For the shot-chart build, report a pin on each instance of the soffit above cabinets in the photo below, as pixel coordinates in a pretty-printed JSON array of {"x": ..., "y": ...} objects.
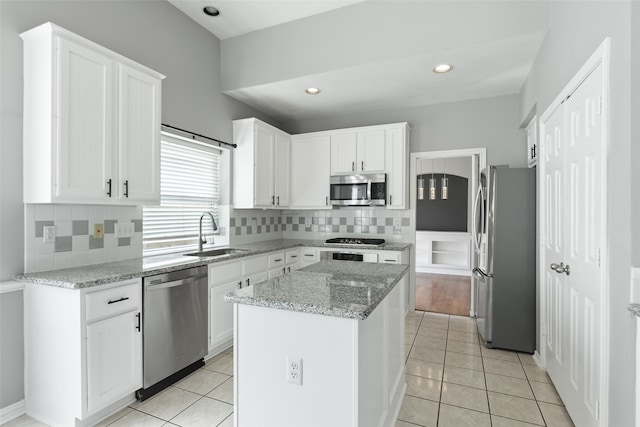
[{"x": 375, "y": 54}]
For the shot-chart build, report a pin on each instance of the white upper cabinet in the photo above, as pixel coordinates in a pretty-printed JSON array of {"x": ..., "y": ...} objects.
[
  {"x": 397, "y": 173},
  {"x": 91, "y": 122},
  {"x": 358, "y": 151},
  {"x": 261, "y": 165},
  {"x": 532, "y": 142},
  {"x": 310, "y": 159},
  {"x": 138, "y": 141}
]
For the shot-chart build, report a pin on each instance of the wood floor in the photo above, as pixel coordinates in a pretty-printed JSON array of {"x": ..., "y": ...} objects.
[{"x": 443, "y": 293}]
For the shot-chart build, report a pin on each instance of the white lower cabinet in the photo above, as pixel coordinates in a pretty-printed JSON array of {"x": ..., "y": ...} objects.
[
  {"x": 114, "y": 368},
  {"x": 83, "y": 357},
  {"x": 224, "y": 278}
]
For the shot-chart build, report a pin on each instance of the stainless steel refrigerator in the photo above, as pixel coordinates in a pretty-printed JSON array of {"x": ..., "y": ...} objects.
[{"x": 504, "y": 234}]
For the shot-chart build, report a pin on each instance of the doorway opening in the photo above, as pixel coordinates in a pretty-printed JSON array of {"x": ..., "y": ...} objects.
[{"x": 442, "y": 280}]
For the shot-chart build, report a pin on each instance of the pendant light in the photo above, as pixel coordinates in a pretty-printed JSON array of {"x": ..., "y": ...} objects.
[
  {"x": 445, "y": 182},
  {"x": 420, "y": 181},
  {"x": 432, "y": 184}
]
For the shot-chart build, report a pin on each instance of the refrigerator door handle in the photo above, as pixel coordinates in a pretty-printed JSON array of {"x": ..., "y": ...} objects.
[
  {"x": 474, "y": 222},
  {"x": 481, "y": 274}
]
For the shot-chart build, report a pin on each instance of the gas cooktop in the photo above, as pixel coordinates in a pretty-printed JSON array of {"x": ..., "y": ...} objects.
[{"x": 355, "y": 241}]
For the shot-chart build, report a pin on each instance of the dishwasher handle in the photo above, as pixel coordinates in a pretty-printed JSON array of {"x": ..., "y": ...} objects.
[{"x": 173, "y": 283}]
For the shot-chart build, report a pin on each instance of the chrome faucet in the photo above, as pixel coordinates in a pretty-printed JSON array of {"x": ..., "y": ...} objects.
[{"x": 202, "y": 240}]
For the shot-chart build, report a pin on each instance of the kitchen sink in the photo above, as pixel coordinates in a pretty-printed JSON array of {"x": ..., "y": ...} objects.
[{"x": 216, "y": 252}]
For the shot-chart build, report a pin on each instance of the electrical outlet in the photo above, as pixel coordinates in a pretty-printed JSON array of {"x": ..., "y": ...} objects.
[
  {"x": 49, "y": 233},
  {"x": 397, "y": 222},
  {"x": 124, "y": 229},
  {"x": 294, "y": 370},
  {"x": 98, "y": 231},
  {"x": 307, "y": 222}
]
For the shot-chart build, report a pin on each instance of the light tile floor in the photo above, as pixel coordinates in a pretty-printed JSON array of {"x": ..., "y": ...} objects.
[
  {"x": 452, "y": 381},
  {"x": 455, "y": 381}
]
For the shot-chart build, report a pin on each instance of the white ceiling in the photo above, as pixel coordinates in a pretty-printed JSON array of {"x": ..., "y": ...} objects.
[
  {"x": 482, "y": 68},
  {"x": 239, "y": 17}
]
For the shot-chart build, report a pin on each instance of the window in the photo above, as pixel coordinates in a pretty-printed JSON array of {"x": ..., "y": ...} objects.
[{"x": 189, "y": 186}]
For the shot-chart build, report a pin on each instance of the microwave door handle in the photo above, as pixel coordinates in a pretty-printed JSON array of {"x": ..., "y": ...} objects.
[{"x": 369, "y": 192}]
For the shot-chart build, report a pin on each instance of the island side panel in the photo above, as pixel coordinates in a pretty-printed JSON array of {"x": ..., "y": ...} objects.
[
  {"x": 395, "y": 327},
  {"x": 381, "y": 351},
  {"x": 263, "y": 338}
]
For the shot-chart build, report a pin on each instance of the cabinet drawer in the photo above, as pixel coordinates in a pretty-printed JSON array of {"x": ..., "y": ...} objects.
[
  {"x": 292, "y": 256},
  {"x": 276, "y": 260},
  {"x": 309, "y": 255},
  {"x": 224, "y": 273},
  {"x": 389, "y": 258},
  {"x": 112, "y": 301}
]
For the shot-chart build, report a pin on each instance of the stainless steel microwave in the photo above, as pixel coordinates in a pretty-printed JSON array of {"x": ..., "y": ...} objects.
[{"x": 358, "y": 190}]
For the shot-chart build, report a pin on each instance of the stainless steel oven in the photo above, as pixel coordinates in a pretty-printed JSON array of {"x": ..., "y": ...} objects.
[{"x": 358, "y": 190}]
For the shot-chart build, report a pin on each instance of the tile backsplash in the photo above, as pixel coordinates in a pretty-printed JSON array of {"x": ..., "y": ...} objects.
[
  {"x": 74, "y": 243},
  {"x": 257, "y": 225}
]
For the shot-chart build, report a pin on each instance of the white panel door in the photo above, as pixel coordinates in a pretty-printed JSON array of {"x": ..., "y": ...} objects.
[
  {"x": 310, "y": 160},
  {"x": 139, "y": 138},
  {"x": 282, "y": 168},
  {"x": 396, "y": 168},
  {"x": 85, "y": 124},
  {"x": 554, "y": 242},
  {"x": 574, "y": 139},
  {"x": 114, "y": 359},
  {"x": 343, "y": 153},
  {"x": 371, "y": 151},
  {"x": 221, "y": 313},
  {"x": 263, "y": 164}
]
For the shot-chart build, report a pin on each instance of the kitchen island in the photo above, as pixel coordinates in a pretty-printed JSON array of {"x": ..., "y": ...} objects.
[{"x": 322, "y": 346}]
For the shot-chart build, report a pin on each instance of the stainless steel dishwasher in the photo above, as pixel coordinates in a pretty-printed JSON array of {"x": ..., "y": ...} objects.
[{"x": 174, "y": 327}]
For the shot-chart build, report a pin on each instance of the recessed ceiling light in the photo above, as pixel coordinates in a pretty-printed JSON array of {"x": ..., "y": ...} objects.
[
  {"x": 312, "y": 90},
  {"x": 211, "y": 11},
  {"x": 442, "y": 68}
]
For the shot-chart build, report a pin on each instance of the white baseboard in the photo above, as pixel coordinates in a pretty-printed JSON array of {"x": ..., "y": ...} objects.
[
  {"x": 12, "y": 412},
  {"x": 538, "y": 359}
]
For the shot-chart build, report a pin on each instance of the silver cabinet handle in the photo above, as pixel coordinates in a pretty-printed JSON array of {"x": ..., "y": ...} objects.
[
  {"x": 326, "y": 201},
  {"x": 561, "y": 268},
  {"x": 362, "y": 166},
  {"x": 109, "y": 187},
  {"x": 126, "y": 188},
  {"x": 248, "y": 284},
  {"x": 353, "y": 166},
  {"x": 273, "y": 200},
  {"x": 278, "y": 200},
  {"x": 240, "y": 284}
]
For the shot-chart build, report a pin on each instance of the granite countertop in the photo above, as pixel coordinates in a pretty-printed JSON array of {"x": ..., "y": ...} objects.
[
  {"x": 100, "y": 274},
  {"x": 331, "y": 288}
]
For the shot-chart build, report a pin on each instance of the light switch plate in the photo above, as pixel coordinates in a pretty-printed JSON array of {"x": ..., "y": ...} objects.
[{"x": 124, "y": 229}]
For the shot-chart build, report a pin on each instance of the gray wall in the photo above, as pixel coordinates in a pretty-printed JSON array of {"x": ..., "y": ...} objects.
[
  {"x": 491, "y": 122},
  {"x": 576, "y": 29},
  {"x": 153, "y": 33},
  {"x": 635, "y": 131}
]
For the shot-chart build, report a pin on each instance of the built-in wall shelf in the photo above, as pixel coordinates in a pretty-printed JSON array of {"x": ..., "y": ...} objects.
[{"x": 443, "y": 252}]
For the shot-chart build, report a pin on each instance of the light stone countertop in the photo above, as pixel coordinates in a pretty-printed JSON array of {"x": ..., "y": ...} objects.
[
  {"x": 331, "y": 288},
  {"x": 100, "y": 274}
]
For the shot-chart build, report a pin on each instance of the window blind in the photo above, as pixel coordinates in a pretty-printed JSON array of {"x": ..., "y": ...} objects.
[{"x": 189, "y": 186}]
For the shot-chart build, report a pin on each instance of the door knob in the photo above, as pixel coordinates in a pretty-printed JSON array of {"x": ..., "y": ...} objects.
[{"x": 560, "y": 268}]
